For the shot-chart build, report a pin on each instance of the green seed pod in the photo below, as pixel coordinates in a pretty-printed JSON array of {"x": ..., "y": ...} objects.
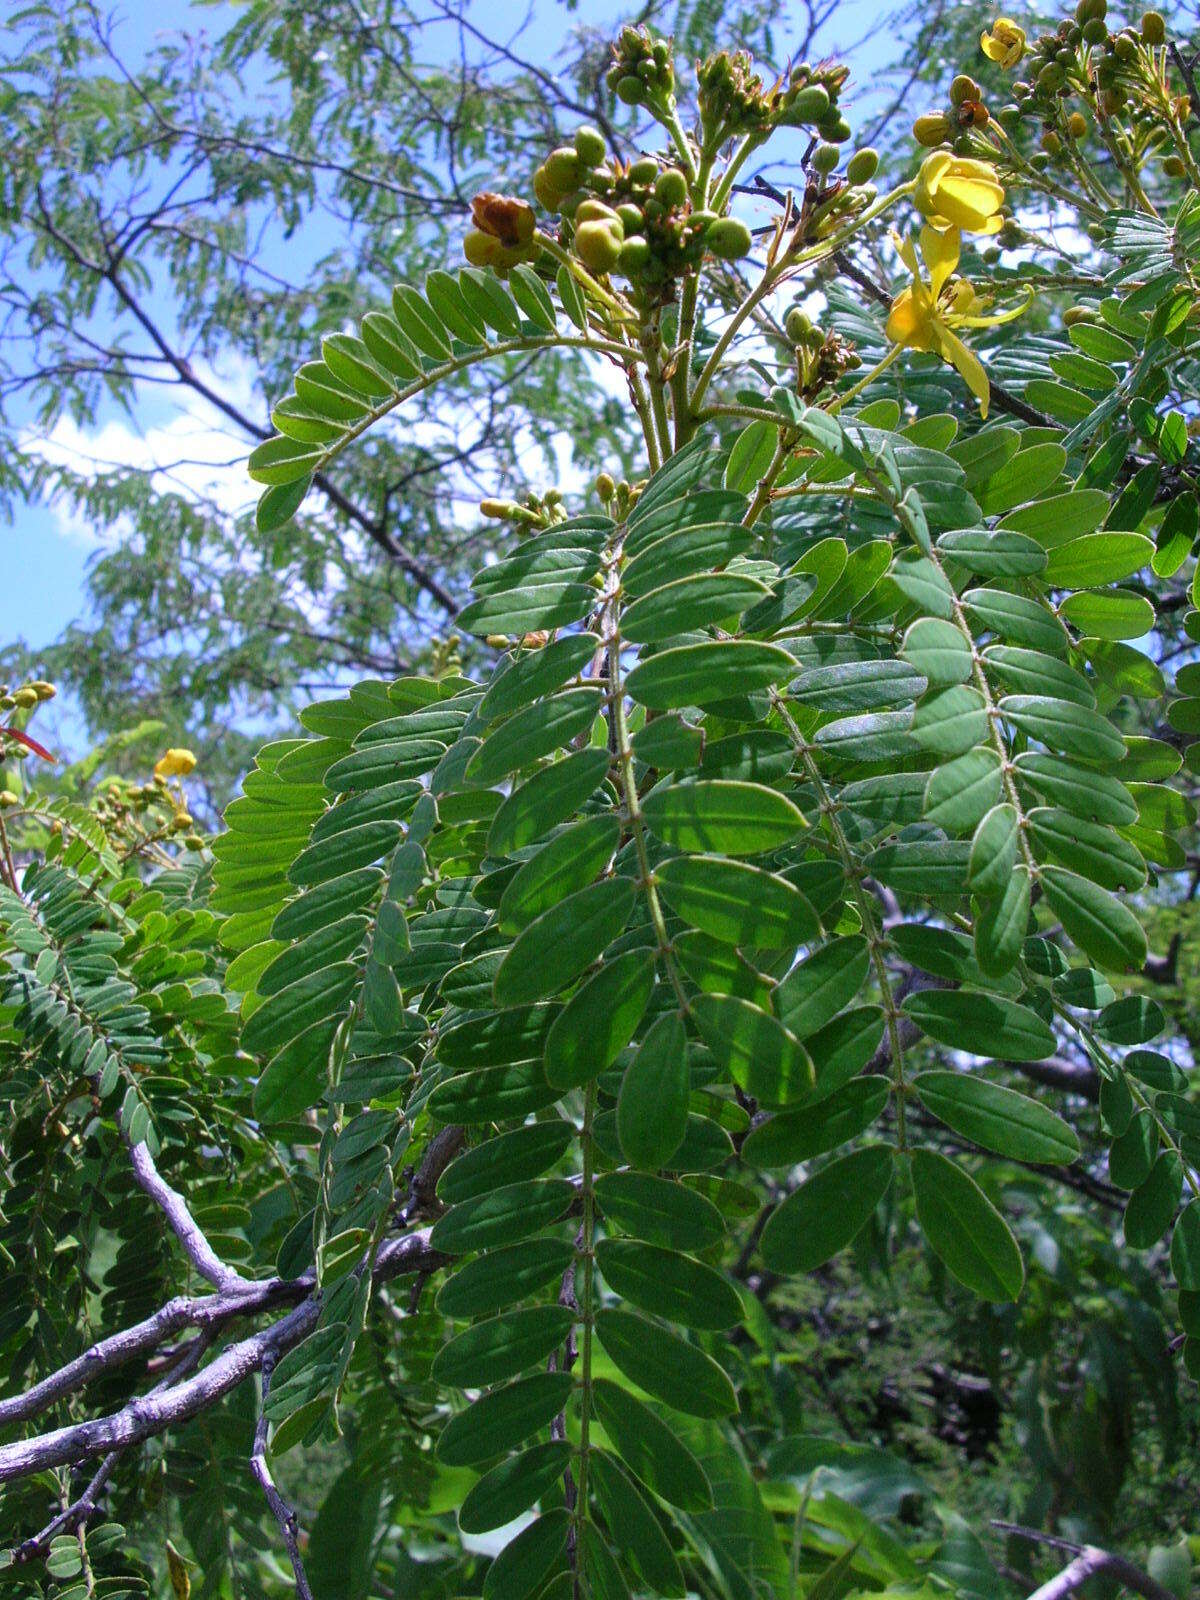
[
  {"x": 598, "y": 246},
  {"x": 630, "y": 90},
  {"x": 671, "y": 189},
  {"x": 729, "y": 239},
  {"x": 635, "y": 253},
  {"x": 632, "y": 218},
  {"x": 810, "y": 104},
  {"x": 825, "y": 158},
  {"x": 643, "y": 171},
  {"x": 1154, "y": 29},
  {"x": 862, "y": 165},
  {"x": 590, "y": 146}
]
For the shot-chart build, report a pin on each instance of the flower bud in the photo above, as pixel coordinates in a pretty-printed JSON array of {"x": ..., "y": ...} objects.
[
  {"x": 1173, "y": 167},
  {"x": 964, "y": 88},
  {"x": 1154, "y": 29},
  {"x": 834, "y": 127},
  {"x": 26, "y": 698},
  {"x": 43, "y": 690},
  {"x": 1051, "y": 143},
  {"x": 632, "y": 218},
  {"x": 797, "y": 325},
  {"x": 825, "y": 158},
  {"x": 931, "y": 129},
  {"x": 590, "y": 146},
  {"x": 729, "y": 239},
  {"x": 862, "y": 166},
  {"x": 1095, "y": 30},
  {"x": 1077, "y": 125},
  {"x": 635, "y": 255},
  {"x": 643, "y": 171},
  {"x": 671, "y": 189},
  {"x": 598, "y": 245},
  {"x": 809, "y": 104},
  {"x": 630, "y": 90},
  {"x": 605, "y": 487},
  {"x": 8, "y": 799}
]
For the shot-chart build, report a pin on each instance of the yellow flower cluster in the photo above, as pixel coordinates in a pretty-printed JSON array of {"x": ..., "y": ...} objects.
[
  {"x": 955, "y": 194},
  {"x": 177, "y": 763}
]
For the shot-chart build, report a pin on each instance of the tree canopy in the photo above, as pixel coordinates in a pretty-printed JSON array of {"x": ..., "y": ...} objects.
[{"x": 638, "y": 1037}]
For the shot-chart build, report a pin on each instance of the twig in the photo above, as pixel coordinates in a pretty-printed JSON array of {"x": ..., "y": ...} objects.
[
  {"x": 183, "y": 1225},
  {"x": 285, "y": 1516},
  {"x": 1090, "y": 1563}
]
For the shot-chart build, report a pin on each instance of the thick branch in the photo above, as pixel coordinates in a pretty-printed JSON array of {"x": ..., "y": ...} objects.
[
  {"x": 1091, "y": 1563},
  {"x": 149, "y": 1415}
]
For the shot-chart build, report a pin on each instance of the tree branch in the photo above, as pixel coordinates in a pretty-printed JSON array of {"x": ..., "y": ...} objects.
[
  {"x": 183, "y": 1225},
  {"x": 283, "y": 1513}
]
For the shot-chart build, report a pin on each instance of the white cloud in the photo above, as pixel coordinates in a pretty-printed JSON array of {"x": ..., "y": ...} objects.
[{"x": 191, "y": 448}]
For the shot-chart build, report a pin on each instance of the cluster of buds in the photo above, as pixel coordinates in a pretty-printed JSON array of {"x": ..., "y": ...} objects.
[
  {"x": 617, "y": 496},
  {"x": 503, "y": 234},
  {"x": 634, "y": 218},
  {"x": 734, "y": 102},
  {"x": 967, "y": 112},
  {"x": 642, "y": 71},
  {"x": 535, "y": 512},
  {"x": 26, "y": 695},
  {"x": 830, "y": 200},
  {"x": 822, "y": 358}
]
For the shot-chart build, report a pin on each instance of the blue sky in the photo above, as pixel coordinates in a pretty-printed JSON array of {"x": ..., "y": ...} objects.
[{"x": 49, "y": 548}]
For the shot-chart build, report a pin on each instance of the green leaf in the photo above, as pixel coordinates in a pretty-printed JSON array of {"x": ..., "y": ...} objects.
[
  {"x": 494, "y": 1281},
  {"x": 523, "y": 1565},
  {"x": 642, "y": 1539},
  {"x": 509, "y": 1158},
  {"x": 736, "y": 903},
  {"x": 599, "y": 1020},
  {"x": 827, "y": 1211},
  {"x": 665, "y": 1365},
  {"x": 651, "y": 1450},
  {"x": 698, "y": 674},
  {"x": 501, "y": 1347},
  {"x": 983, "y": 1024},
  {"x": 1152, "y": 1204},
  {"x": 817, "y": 988},
  {"x": 652, "y": 1109},
  {"x": 964, "y": 1229},
  {"x": 669, "y": 1284},
  {"x": 939, "y": 651},
  {"x": 534, "y": 732},
  {"x": 692, "y": 602},
  {"x": 809, "y": 1131},
  {"x": 1103, "y": 928},
  {"x": 510, "y": 1488},
  {"x": 659, "y": 1209},
  {"x": 722, "y": 817},
  {"x": 999, "y": 1119},
  {"x": 1000, "y": 926},
  {"x": 1097, "y": 559},
  {"x": 501, "y": 1216},
  {"x": 567, "y": 862},
  {"x": 763, "y": 1058},
  {"x": 550, "y": 797},
  {"x": 960, "y": 793},
  {"x": 503, "y": 1419},
  {"x": 993, "y": 553},
  {"x": 537, "y": 673},
  {"x": 561, "y": 943},
  {"x": 1185, "y": 1248},
  {"x": 993, "y": 851},
  {"x": 310, "y": 1000},
  {"x": 1070, "y": 729},
  {"x": 516, "y": 1033}
]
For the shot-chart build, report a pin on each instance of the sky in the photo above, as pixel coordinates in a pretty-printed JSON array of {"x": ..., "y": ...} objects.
[{"x": 50, "y": 546}]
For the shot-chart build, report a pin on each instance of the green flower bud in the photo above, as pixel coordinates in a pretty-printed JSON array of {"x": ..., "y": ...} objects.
[
  {"x": 964, "y": 88},
  {"x": 593, "y": 210},
  {"x": 729, "y": 239},
  {"x": 604, "y": 486},
  {"x": 632, "y": 218},
  {"x": 635, "y": 253},
  {"x": 630, "y": 90},
  {"x": 564, "y": 168},
  {"x": 1125, "y": 47},
  {"x": 643, "y": 171},
  {"x": 26, "y": 698},
  {"x": 671, "y": 188},
  {"x": 598, "y": 246},
  {"x": 590, "y": 146},
  {"x": 1154, "y": 29},
  {"x": 862, "y": 166},
  {"x": 825, "y": 158},
  {"x": 809, "y": 104},
  {"x": 43, "y": 690},
  {"x": 1095, "y": 30},
  {"x": 797, "y": 325},
  {"x": 834, "y": 128},
  {"x": 931, "y": 129}
]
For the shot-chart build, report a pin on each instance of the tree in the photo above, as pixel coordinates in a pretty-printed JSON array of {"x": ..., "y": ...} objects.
[{"x": 529, "y": 1042}]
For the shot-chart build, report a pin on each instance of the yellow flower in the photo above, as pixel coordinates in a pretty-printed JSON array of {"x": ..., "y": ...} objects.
[
  {"x": 175, "y": 764},
  {"x": 958, "y": 192},
  {"x": 924, "y": 316},
  {"x": 1005, "y": 44}
]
